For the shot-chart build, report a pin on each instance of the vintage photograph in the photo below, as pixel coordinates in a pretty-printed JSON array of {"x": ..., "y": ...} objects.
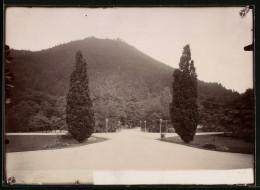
[{"x": 129, "y": 96}]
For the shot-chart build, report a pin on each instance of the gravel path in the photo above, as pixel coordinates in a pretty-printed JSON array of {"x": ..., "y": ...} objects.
[{"x": 125, "y": 150}]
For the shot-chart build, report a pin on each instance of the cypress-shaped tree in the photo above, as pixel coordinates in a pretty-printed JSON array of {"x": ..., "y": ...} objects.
[
  {"x": 79, "y": 111},
  {"x": 184, "y": 106}
]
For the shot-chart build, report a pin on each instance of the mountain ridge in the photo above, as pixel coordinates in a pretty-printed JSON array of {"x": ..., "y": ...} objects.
[{"x": 80, "y": 44}]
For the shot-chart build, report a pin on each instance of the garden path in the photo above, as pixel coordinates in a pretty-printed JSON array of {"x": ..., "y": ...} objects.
[{"x": 126, "y": 150}]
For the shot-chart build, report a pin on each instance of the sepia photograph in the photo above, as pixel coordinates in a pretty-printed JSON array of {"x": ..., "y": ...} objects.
[{"x": 129, "y": 96}]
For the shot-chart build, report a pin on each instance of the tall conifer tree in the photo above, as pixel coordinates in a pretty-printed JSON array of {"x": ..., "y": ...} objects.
[
  {"x": 184, "y": 107},
  {"x": 79, "y": 111}
]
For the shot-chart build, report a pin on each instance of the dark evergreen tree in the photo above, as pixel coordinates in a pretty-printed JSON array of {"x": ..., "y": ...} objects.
[
  {"x": 184, "y": 107},
  {"x": 79, "y": 111}
]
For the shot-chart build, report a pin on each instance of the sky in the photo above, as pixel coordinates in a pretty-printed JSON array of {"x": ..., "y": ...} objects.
[{"x": 217, "y": 36}]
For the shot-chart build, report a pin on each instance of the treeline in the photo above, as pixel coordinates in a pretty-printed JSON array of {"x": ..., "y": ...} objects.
[
  {"x": 236, "y": 117},
  {"x": 35, "y": 111},
  {"x": 39, "y": 111}
]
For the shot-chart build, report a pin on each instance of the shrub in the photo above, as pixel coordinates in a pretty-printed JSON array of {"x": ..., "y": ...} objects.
[
  {"x": 100, "y": 126},
  {"x": 39, "y": 122},
  {"x": 209, "y": 146},
  {"x": 55, "y": 145},
  {"x": 222, "y": 148}
]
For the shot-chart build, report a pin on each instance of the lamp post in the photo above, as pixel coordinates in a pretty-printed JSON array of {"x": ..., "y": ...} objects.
[
  {"x": 106, "y": 124},
  {"x": 160, "y": 127},
  {"x": 144, "y": 126}
]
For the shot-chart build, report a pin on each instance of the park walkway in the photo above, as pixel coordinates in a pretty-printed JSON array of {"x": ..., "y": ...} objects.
[{"x": 126, "y": 150}]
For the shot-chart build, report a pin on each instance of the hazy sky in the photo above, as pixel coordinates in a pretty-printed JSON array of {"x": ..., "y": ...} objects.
[{"x": 216, "y": 36}]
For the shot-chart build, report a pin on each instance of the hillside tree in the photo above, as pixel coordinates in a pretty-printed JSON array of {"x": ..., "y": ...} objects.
[
  {"x": 79, "y": 111},
  {"x": 184, "y": 106}
]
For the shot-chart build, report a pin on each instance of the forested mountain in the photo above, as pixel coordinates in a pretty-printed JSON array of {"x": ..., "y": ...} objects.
[{"x": 125, "y": 84}]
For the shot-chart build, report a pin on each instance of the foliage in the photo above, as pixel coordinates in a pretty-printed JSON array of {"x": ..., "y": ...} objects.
[
  {"x": 79, "y": 111},
  {"x": 31, "y": 108},
  {"x": 236, "y": 116},
  {"x": 113, "y": 125},
  {"x": 209, "y": 146},
  {"x": 153, "y": 126},
  {"x": 210, "y": 114},
  {"x": 222, "y": 148},
  {"x": 18, "y": 116},
  {"x": 240, "y": 116},
  {"x": 55, "y": 146},
  {"x": 39, "y": 123},
  {"x": 184, "y": 107},
  {"x": 9, "y": 76},
  {"x": 58, "y": 123},
  {"x": 216, "y": 90},
  {"x": 215, "y": 147}
]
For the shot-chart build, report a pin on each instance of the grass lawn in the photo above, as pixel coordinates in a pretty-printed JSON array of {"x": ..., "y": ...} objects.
[
  {"x": 234, "y": 144},
  {"x": 21, "y": 143}
]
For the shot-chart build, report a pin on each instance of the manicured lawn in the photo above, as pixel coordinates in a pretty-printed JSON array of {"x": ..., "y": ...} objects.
[
  {"x": 21, "y": 143},
  {"x": 234, "y": 144}
]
